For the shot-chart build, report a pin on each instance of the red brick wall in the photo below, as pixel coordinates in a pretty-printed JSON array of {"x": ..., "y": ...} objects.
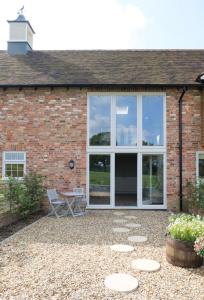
[
  {"x": 191, "y": 115},
  {"x": 50, "y": 125}
]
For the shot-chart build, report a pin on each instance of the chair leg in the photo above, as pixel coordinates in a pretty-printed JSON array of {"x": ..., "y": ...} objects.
[
  {"x": 70, "y": 209},
  {"x": 55, "y": 210}
]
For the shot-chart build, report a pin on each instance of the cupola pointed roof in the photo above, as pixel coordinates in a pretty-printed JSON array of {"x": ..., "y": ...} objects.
[{"x": 20, "y": 18}]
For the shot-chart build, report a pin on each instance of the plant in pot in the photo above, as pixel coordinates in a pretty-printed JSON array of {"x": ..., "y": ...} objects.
[{"x": 182, "y": 233}]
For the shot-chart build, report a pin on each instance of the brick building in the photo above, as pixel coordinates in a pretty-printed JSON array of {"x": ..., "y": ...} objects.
[{"x": 130, "y": 121}]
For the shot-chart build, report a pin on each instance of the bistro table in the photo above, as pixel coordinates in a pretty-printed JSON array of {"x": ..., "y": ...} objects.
[{"x": 70, "y": 198}]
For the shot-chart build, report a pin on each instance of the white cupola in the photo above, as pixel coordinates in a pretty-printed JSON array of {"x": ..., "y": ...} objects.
[{"x": 20, "y": 35}]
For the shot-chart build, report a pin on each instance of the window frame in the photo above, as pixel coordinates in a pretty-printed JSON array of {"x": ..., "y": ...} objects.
[
  {"x": 197, "y": 165},
  {"x": 139, "y": 149},
  {"x": 113, "y": 146},
  {"x": 16, "y": 162}
]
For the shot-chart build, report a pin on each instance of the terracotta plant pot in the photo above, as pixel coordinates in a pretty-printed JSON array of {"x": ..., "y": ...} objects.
[{"x": 180, "y": 253}]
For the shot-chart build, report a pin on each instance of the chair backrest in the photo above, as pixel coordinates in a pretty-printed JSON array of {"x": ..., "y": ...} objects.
[
  {"x": 52, "y": 195},
  {"x": 78, "y": 190}
]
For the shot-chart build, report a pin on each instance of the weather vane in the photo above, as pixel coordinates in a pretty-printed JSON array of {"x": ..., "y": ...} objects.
[{"x": 21, "y": 10}]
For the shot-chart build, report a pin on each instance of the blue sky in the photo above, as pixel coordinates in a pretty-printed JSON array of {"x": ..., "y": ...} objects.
[
  {"x": 109, "y": 24},
  {"x": 172, "y": 23}
]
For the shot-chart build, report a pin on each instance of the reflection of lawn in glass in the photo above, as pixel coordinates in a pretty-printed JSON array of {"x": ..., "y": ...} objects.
[
  {"x": 156, "y": 181},
  {"x": 101, "y": 178}
]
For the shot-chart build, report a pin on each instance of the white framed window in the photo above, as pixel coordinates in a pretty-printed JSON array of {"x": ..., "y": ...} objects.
[
  {"x": 126, "y": 150},
  {"x": 200, "y": 166},
  {"x": 126, "y": 120},
  {"x": 14, "y": 164}
]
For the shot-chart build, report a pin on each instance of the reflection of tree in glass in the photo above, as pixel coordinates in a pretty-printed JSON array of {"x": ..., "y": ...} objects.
[
  {"x": 100, "y": 139},
  {"x": 144, "y": 143}
]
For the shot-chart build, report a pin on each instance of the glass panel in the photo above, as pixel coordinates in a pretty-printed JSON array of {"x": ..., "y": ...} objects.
[
  {"x": 126, "y": 179},
  {"x": 14, "y": 170},
  {"x": 20, "y": 170},
  {"x": 99, "y": 120},
  {"x": 201, "y": 166},
  {"x": 14, "y": 167},
  {"x": 8, "y": 170},
  {"x": 152, "y": 179},
  {"x": 99, "y": 179},
  {"x": 20, "y": 174},
  {"x": 126, "y": 121},
  {"x": 152, "y": 121},
  {"x": 14, "y": 173},
  {"x": 14, "y": 156}
]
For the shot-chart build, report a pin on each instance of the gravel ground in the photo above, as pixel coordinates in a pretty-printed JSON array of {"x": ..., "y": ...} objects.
[{"x": 69, "y": 258}]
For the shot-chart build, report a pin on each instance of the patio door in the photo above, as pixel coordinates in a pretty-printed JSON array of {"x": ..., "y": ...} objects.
[{"x": 126, "y": 179}]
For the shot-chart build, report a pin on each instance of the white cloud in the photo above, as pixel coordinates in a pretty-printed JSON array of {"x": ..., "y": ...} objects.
[{"x": 78, "y": 24}]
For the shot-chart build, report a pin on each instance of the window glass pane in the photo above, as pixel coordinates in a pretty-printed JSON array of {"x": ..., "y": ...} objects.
[
  {"x": 99, "y": 179},
  {"x": 20, "y": 173},
  {"x": 99, "y": 120},
  {"x": 20, "y": 167},
  {"x": 201, "y": 166},
  {"x": 15, "y": 156},
  {"x": 14, "y": 167},
  {"x": 126, "y": 121},
  {"x": 152, "y": 121},
  {"x": 14, "y": 173},
  {"x": 152, "y": 179},
  {"x": 8, "y": 166},
  {"x": 20, "y": 170},
  {"x": 8, "y": 170}
]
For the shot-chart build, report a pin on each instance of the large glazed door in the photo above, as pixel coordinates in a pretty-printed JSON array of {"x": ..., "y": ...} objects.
[{"x": 125, "y": 179}]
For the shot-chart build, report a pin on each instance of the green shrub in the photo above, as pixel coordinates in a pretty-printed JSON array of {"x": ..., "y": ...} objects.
[
  {"x": 13, "y": 191},
  {"x": 24, "y": 195},
  {"x": 34, "y": 189},
  {"x": 194, "y": 197},
  {"x": 186, "y": 227},
  {"x": 181, "y": 217}
]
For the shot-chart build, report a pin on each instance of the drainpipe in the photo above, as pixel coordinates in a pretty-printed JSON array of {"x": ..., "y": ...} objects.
[{"x": 180, "y": 102}]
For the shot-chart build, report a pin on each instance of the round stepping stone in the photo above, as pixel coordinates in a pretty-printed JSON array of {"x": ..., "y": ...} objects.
[
  {"x": 121, "y": 282},
  {"x": 147, "y": 265},
  {"x": 120, "y": 229},
  {"x": 119, "y": 221},
  {"x": 122, "y": 248},
  {"x": 137, "y": 238},
  {"x": 133, "y": 225},
  {"x": 118, "y": 213},
  {"x": 131, "y": 217}
]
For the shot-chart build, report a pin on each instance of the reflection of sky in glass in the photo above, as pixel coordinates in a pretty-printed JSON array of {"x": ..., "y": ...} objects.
[
  {"x": 126, "y": 121},
  {"x": 99, "y": 116},
  {"x": 152, "y": 120}
]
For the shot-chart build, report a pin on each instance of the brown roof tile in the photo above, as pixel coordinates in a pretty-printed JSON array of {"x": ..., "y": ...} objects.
[{"x": 102, "y": 67}]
